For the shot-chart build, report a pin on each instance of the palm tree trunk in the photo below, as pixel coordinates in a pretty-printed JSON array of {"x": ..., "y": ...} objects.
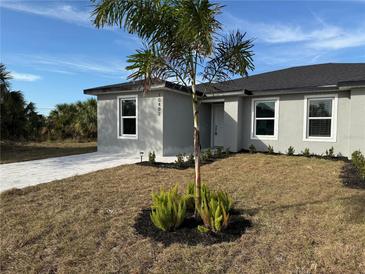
[{"x": 196, "y": 150}]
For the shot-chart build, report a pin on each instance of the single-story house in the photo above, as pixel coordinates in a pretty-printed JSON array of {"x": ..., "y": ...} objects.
[{"x": 315, "y": 106}]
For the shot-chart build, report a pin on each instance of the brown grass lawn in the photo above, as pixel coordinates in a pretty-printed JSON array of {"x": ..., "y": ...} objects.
[
  {"x": 304, "y": 220},
  {"x": 16, "y": 151}
]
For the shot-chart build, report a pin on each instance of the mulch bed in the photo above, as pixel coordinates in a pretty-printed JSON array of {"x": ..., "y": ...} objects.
[{"x": 187, "y": 233}]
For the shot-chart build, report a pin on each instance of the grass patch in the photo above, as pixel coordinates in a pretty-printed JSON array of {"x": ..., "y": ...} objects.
[
  {"x": 17, "y": 151},
  {"x": 302, "y": 219}
]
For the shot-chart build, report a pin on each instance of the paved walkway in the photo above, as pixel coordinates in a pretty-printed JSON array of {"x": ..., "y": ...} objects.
[{"x": 22, "y": 174}]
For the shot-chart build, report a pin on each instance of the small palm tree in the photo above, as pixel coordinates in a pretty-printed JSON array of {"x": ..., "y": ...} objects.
[{"x": 182, "y": 39}]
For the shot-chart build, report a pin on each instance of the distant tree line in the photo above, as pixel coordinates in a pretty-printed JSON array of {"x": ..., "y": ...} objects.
[{"x": 20, "y": 120}]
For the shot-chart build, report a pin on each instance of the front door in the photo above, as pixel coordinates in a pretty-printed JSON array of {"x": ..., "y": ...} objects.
[{"x": 217, "y": 129}]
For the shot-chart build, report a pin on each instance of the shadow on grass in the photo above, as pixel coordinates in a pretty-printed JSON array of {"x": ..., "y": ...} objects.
[
  {"x": 15, "y": 152},
  {"x": 350, "y": 177},
  {"x": 188, "y": 233}
]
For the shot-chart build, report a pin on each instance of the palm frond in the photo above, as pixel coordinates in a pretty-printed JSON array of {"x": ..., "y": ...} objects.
[{"x": 232, "y": 55}]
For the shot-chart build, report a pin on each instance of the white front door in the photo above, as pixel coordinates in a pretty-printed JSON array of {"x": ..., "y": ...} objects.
[{"x": 217, "y": 125}]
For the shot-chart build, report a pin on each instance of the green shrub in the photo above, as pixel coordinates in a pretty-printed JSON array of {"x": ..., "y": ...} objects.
[
  {"x": 180, "y": 160},
  {"x": 227, "y": 152},
  {"x": 218, "y": 152},
  {"x": 306, "y": 152},
  {"x": 151, "y": 157},
  {"x": 190, "y": 159},
  {"x": 206, "y": 155},
  {"x": 227, "y": 201},
  {"x": 330, "y": 152},
  {"x": 209, "y": 154},
  {"x": 252, "y": 149},
  {"x": 214, "y": 210},
  {"x": 358, "y": 160},
  {"x": 290, "y": 151},
  {"x": 168, "y": 209},
  {"x": 189, "y": 196},
  {"x": 270, "y": 149}
]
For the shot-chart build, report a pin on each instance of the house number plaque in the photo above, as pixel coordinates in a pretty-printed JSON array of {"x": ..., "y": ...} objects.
[{"x": 159, "y": 104}]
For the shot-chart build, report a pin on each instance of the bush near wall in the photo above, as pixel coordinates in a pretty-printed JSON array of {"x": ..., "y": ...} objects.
[{"x": 358, "y": 160}]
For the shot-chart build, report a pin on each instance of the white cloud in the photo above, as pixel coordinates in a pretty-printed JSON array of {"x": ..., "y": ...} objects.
[
  {"x": 321, "y": 36},
  {"x": 72, "y": 64},
  {"x": 62, "y": 12},
  {"x": 79, "y": 64},
  {"x": 344, "y": 40},
  {"x": 25, "y": 77}
]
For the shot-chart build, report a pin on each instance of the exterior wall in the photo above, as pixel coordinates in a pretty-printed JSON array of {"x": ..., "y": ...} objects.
[
  {"x": 357, "y": 120},
  {"x": 178, "y": 124},
  {"x": 290, "y": 126},
  {"x": 149, "y": 125},
  {"x": 232, "y": 124}
]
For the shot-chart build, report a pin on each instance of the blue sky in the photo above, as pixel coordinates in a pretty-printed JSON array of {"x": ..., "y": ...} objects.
[{"x": 54, "y": 52}]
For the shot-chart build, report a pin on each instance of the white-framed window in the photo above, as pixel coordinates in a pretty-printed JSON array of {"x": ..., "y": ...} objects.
[
  {"x": 128, "y": 117},
  {"x": 265, "y": 118},
  {"x": 320, "y": 118}
]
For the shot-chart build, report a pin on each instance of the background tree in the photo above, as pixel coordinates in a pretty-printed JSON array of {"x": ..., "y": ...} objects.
[
  {"x": 73, "y": 121},
  {"x": 20, "y": 120},
  {"x": 12, "y": 115},
  {"x": 5, "y": 78},
  {"x": 182, "y": 39}
]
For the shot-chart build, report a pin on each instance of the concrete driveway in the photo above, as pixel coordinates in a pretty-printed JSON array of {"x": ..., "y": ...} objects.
[{"x": 23, "y": 174}]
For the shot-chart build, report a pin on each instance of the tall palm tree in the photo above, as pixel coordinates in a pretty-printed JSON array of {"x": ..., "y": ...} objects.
[
  {"x": 5, "y": 76},
  {"x": 182, "y": 39}
]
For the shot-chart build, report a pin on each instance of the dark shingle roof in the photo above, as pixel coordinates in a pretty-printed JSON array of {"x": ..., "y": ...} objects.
[
  {"x": 305, "y": 77},
  {"x": 136, "y": 85},
  {"x": 311, "y": 76}
]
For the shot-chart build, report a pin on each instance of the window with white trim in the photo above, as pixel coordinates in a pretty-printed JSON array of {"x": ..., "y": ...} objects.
[
  {"x": 320, "y": 120},
  {"x": 265, "y": 114},
  {"x": 128, "y": 122}
]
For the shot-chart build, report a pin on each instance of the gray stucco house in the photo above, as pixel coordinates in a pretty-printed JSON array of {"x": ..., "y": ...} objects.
[{"x": 316, "y": 107}]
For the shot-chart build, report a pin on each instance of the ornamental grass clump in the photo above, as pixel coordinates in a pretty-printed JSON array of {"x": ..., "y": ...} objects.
[
  {"x": 291, "y": 151},
  {"x": 306, "y": 152},
  {"x": 168, "y": 209},
  {"x": 189, "y": 196},
  {"x": 214, "y": 211}
]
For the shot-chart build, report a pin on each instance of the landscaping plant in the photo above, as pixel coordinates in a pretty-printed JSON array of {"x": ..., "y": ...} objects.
[
  {"x": 214, "y": 211},
  {"x": 190, "y": 159},
  {"x": 189, "y": 196},
  {"x": 218, "y": 152},
  {"x": 270, "y": 149},
  {"x": 358, "y": 160},
  {"x": 168, "y": 209},
  {"x": 151, "y": 157},
  {"x": 330, "y": 152},
  {"x": 182, "y": 39},
  {"x": 306, "y": 152},
  {"x": 252, "y": 149},
  {"x": 208, "y": 153},
  {"x": 180, "y": 160},
  {"x": 205, "y": 156},
  {"x": 291, "y": 151}
]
